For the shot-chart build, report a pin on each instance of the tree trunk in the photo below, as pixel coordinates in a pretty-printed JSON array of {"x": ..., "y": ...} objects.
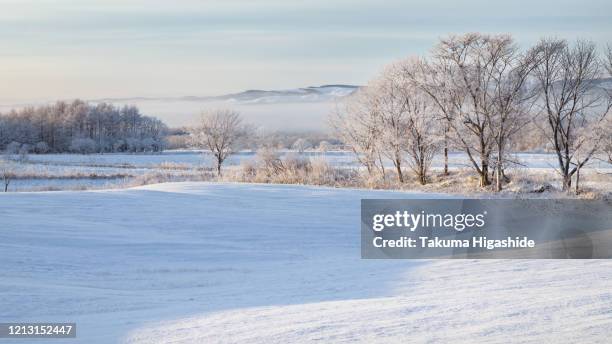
[
  {"x": 446, "y": 130},
  {"x": 498, "y": 174},
  {"x": 382, "y": 167},
  {"x": 505, "y": 177},
  {"x": 567, "y": 177},
  {"x": 445, "y": 159},
  {"x": 422, "y": 178},
  {"x": 484, "y": 175},
  {"x": 567, "y": 182},
  {"x": 398, "y": 167},
  {"x": 219, "y": 162},
  {"x": 577, "y": 180}
]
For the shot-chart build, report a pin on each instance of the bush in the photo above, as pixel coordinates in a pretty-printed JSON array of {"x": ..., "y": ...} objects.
[
  {"x": 248, "y": 170},
  {"x": 268, "y": 167},
  {"x": 268, "y": 163}
]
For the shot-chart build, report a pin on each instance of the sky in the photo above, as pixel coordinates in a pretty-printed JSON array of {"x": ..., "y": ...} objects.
[{"x": 66, "y": 49}]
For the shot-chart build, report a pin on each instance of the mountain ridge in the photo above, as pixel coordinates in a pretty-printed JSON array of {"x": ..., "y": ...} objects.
[
  {"x": 309, "y": 94},
  {"x": 253, "y": 96}
]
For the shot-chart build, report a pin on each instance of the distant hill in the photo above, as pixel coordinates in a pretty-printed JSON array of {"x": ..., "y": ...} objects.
[{"x": 311, "y": 94}]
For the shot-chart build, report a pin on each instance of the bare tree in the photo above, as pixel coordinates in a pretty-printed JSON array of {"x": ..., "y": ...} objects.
[
  {"x": 409, "y": 118},
  {"x": 595, "y": 135},
  {"x": 461, "y": 80},
  {"x": 512, "y": 99},
  {"x": 220, "y": 131},
  {"x": 423, "y": 141},
  {"x": 463, "y": 85},
  {"x": 568, "y": 103},
  {"x": 431, "y": 78},
  {"x": 356, "y": 123},
  {"x": 394, "y": 118},
  {"x": 391, "y": 104},
  {"x": 7, "y": 172},
  {"x": 606, "y": 143},
  {"x": 445, "y": 133}
]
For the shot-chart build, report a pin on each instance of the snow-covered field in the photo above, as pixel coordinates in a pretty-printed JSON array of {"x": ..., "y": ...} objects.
[
  {"x": 205, "y": 263},
  {"x": 189, "y": 158},
  {"x": 51, "y": 172}
]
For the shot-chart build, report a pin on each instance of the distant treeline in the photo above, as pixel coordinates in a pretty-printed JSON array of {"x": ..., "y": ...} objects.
[{"x": 80, "y": 127}]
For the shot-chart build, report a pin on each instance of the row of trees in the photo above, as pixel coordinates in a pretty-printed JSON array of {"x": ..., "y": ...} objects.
[
  {"x": 475, "y": 93},
  {"x": 80, "y": 127}
]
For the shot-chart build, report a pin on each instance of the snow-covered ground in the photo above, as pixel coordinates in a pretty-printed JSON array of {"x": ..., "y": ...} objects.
[
  {"x": 95, "y": 171},
  {"x": 500, "y": 301},
  {"x": 202, "y": 263},
  {"x": 335, "y": 158}
]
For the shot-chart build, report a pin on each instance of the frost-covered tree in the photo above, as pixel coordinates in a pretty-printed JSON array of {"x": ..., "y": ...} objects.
[
  {"x": 423, "y": 134},
  {"x": 394, "y": 118},
  {"x": 431, "y": 78},
  {"x": 571, "y": 110},
  {"x": 392, "y": 102},
  {"x": 220, "y": 132},
  {"x": 408, "y": 119},
  {"x": 596, "y": 135},
  {"x": 512, "y": 99},
  {"x": 7, "y": 173},
  {"x": 59, "y": 124},
  {"x": 466, "y": 83},
  {"x": 356, "y": 123},
  {"x": 608, "y": 61},
  {"x": 606, "y": 144}
]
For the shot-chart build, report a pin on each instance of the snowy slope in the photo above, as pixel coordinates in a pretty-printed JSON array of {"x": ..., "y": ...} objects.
[
  {"x": 112, "y": 260},
  {"x": 198, "y": 262},
  {"x": 500, "y": 301}
]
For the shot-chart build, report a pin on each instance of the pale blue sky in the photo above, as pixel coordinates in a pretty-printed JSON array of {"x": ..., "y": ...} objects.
[{"x": 107, "y": 48}]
